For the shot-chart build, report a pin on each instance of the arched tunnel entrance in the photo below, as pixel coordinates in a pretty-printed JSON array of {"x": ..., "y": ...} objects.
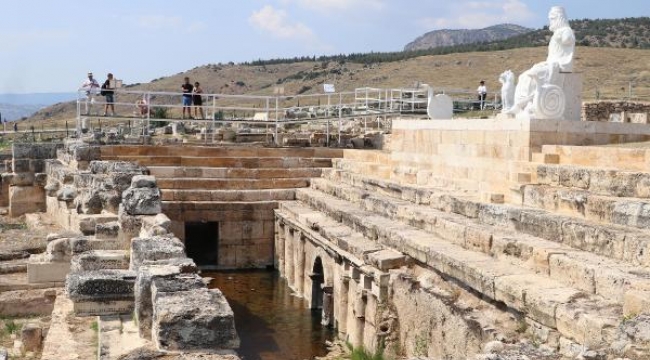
[{"x": 321, "y": 295}]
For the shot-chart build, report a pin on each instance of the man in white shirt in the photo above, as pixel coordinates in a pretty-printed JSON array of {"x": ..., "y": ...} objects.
[
  {"x": 482, "y": 94},
  {"x": 91, "y": 87}
]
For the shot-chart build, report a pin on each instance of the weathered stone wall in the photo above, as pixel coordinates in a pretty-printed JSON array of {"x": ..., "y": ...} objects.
[
  {"x": 616, "y": 111},
  {"x": 486, "y": 156},
  {"x": 26, "y": 181}
]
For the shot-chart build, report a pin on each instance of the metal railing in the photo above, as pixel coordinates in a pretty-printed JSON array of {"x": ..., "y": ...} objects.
[{"x": 270, "y": 112}]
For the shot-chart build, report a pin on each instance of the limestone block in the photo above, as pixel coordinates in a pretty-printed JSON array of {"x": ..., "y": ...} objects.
[
  {"x": 143, "y": 302},
  {"x": 143, "y": 181},
  {"x": 35, "y": 151},
  {"x": 47, "y": 272},
  {"x": 638, "y": 118},
  {"x": 157, "y": 225},
  {"x": 111, "y": 167},
  {"x": 32, "y": 336},
  {"x": 83, "y": 244},
  {"x": 602, "y": 240},
  {"x": 26, "y": 199},
  {"x": 107, "y": 231},
  {"x": 52, "y": 188},
  {"x": 185, "y": 265},
  {"x": 20, "y": 166},
  {"x": 86, "y": 153},
  {"x": 103, "y": 292},
  {"x": 589, "y": 321},
  {"x": 385, "y": 260},
  {"x": 155, "y": 248},
  {"x": 100, "y": 260},
  {"x": 142, "y": 201},
  {"x": 66, "y": 193},
  {"x": 637, "y": 249},
  {"x": 572, "y": 271},
  {"x": 197, "y": 319},
  {"x": 164, "y": 280}
]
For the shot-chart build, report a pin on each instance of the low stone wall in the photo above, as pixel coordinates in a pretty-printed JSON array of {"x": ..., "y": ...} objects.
[
  {"x": 488, "y": 156},
  {"x": 619, "y": 111}
]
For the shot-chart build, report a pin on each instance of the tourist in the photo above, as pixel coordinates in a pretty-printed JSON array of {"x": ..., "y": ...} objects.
[
  {"x": 187, "y": 97},
  {"x": 482, "y": 94},
  {"x": 109, "y": 94},
  {"x": 197, "y": 100},
  {"x": 15, "y": 126},
  {"x": 91, "y": 87}
]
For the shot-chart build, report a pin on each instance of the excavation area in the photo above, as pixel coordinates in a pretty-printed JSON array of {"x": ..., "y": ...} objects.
[{"x": 448, "y": 239}]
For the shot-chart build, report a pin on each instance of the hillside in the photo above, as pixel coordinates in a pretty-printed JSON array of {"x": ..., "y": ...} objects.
[
  {"x": 447, "y": 37},
  {"x": 606, "y": 70},
  {"x": 617, "y": 33}
]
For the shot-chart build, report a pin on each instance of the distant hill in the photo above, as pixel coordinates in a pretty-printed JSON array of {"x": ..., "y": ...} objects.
[
  {"x": 606, "y": 71},
  {"x": 447, "y": 37},
  {"x": 11, "y": 112},
  {"x": 36, "y": 98}
]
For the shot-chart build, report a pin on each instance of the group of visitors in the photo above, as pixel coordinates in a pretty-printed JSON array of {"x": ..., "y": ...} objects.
[{"x": 192, "y": 97}]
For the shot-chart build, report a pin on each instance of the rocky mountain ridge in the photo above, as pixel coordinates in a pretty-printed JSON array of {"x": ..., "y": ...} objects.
[{"x": 449, "y": 37}]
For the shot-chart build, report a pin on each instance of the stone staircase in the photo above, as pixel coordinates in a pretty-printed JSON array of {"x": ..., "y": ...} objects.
[
  {"x": 236, "y": 187},
  {"x": 208, "y": 174},
  {"x": 571, "y": 258}
]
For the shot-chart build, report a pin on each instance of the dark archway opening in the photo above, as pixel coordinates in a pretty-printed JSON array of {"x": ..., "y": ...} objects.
[
  {"x": 317, "y": 279},
  {"x": 202, "y": 243}
]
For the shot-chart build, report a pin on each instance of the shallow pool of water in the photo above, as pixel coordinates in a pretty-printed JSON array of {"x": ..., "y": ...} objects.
[{"x": 272, "y": 323}]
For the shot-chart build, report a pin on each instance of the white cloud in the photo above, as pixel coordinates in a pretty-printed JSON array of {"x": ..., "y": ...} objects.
[
  {"x": 479, "y": 14},
  {"x": 278, "y": 24}
]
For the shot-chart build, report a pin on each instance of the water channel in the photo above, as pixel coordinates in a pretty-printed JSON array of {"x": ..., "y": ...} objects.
[{"x": 272, "y": 323}]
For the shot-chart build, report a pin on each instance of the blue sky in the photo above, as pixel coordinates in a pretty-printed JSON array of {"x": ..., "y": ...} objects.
[{"x": 48, "y": 46}]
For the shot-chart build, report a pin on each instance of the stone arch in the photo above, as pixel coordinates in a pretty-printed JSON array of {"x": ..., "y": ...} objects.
[{"x": 317, "y": 280}]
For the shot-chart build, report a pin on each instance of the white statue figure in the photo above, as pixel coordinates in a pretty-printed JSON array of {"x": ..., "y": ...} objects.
[
  {"x": 535, "y": 92},
  {"x": 507, "y": 80}
]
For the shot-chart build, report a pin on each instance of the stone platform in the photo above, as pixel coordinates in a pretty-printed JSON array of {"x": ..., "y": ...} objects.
[{"x": 509, "y": 217}]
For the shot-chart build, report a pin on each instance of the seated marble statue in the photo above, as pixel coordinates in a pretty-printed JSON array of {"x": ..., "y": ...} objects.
[{"x": 560, "y": 59}]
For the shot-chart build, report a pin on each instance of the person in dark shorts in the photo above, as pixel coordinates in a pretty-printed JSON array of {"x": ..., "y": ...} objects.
[
  {"x": 187, "y": 97},
  {"x": 197, "y": 100},
  {"x": 109, "y": 95}
]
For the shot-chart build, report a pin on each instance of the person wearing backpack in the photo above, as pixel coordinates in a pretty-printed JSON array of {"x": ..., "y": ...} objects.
[{"x": 109, "y": 95}]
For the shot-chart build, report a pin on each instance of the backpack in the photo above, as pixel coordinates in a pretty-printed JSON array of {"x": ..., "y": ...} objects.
[{"x": 103, "y": 91}]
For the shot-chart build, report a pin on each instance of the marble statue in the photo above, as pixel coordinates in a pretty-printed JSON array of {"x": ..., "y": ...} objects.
[
  {"x": 507, "y": 80},
  {"x": 536, "y": 92}
]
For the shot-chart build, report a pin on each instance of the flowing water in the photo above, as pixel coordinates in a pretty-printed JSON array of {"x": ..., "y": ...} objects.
[{"x": 272, "y": 323}]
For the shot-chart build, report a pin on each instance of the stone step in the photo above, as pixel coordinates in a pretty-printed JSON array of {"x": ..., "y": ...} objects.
[
  {"x": 217, "y": 152},
  {"x": 229, "y": 162},
  {"x": 539, "y": 297},
  {"x": 598, "y": 181},
  {"x": 580, "y": 269},
  {"x": 193, "y": 211},
  {"x": 161, "y": 172},
  {"x": 632, "y": 212},
  {"x": 630, "y": 245},
  {"x": 377, "y": 169},
  {"x": 342, "y": 236},
  {"x": 620, "y": 158},
  {"x": 228, "y": 195},
  {"x": 231, "y": 184},
  {"x": 370, "y": 156}
]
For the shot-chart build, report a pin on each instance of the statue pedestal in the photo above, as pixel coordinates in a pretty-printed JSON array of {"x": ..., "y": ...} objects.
[{"x": 571, "y": 84}]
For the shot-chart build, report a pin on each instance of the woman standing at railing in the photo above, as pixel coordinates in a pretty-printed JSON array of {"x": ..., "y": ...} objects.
[{"x": 197, "y": 100}]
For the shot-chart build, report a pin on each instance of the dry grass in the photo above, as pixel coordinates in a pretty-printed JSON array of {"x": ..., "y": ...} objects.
[{"x": 606, "y": 70}]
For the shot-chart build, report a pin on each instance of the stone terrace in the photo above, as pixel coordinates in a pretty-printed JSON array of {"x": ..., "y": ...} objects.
[
  {"x": 237, "y": 187},
  {"x": 566, "y": 249}
]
